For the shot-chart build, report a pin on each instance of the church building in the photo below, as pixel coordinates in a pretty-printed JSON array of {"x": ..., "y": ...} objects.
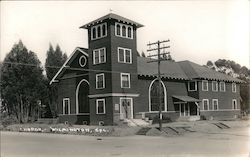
[{"x": 108, "y": 83}]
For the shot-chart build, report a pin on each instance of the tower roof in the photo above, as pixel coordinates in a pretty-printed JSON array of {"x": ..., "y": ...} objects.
[{"x": 112, "y": 16}]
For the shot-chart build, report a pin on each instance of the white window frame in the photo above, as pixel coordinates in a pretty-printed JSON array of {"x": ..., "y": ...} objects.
[
  {"x": 127, "y": 26},
  {"x": 194, "y": 86},
  {"x": 215, "y": 90},
  {"x": 80, "y": 59},
  {"x": 104, "y": 106},
  {"x": 213, "y": 100},
  {"x": 203, "y": 82},
  {"x": 127, "y": 74},
  {"x": 99, "y": 56},
  {"x": 96, "y": 82},
  {"x": 102, "y": 36},
  {"x": 234, "y": 84},
  {"x": 208, "y": 108},
  {"x": 236, "y": 105},
  {"x": 224, "y": 84},
  {"x": 66, "y": 99},
  {"x": 124, "y": 55},
  {"x": 131, "y": 107}
]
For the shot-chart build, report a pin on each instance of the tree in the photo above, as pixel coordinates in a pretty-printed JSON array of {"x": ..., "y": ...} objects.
[
  {"x": 143, "y": 54},
  {"x": 22, "y": 83},
  {"x": 55, "y": 59},
  {"x": 209, "y": 63}
]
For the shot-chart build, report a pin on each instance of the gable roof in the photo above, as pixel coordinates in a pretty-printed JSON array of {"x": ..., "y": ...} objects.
[
  {"x": 68, "y": 61},
  {"x": 112, "y": 16},
  {"x": 169, "y": 69},
  {"x": 195, "y": 71}
]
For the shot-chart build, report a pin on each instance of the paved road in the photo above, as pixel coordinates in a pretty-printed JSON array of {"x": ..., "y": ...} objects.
[{"x": 229, "y": 143}]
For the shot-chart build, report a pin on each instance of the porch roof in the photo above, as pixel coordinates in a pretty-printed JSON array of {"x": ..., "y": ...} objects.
[{"x": 185, "y": 98}]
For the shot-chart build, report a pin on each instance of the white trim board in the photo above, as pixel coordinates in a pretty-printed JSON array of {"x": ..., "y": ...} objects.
[
  {"x": 113, "y": 94},
  {"x": 65, "y": 63}
]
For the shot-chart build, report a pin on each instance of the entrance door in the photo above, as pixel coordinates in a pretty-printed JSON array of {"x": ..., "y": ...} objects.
[
  {"x": 184, "y": 109},
  {"x": 126, "y": 108}
]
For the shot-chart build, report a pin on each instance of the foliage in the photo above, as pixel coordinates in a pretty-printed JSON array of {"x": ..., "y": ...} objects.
[
  {"x": 55, "y": 59},
  {"x": 143, "y": 54},
  {"x": 22, "y": 83}
]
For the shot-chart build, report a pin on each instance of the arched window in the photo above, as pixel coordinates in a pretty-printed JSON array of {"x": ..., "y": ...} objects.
[
  {"x": 118, "y": 29},
  {"x": 103, "y": 30},
  {"x": 94, "y": 33},
  {"x": 154, "y": 96},
  {"x": 129, "y": 32},
  {"x": 124, "y": 31},
  {"x": 98, "y": 31}
]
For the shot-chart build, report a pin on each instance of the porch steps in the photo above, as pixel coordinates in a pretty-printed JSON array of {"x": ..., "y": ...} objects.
[
  {"x": 143, "y": 131},
  {"x": 221, "y": 125}
]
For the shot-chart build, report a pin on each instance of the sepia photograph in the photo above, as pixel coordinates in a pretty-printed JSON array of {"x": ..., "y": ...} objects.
[{"x": 166, "y": 78}]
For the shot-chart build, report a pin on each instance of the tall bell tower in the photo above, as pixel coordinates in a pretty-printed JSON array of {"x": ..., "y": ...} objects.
[{"x": 112, "y": 68}]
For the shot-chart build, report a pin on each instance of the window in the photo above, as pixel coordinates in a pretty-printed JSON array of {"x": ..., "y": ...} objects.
[
  {"x": 99, "y": 56},
  {"x": 100, "y": 106},
  {"x": 82, "y": 61},
  {"x": 205, "y": 104},
  {"x": 125, "y": 80},
  {"x": 66, "y": 106},
  {"x": 154, "y": 97},
  {"x": 124, "y": 55},
  {"x": 234, "y": 87},
  {"x": 99, "y": 31},
  {"x": 100, "y": 81},
  {"x": 222, "y": 87},
  {"x": 214, "y": 86},
  {"x": 122, "y": 30},
  {"x": 204, "y": 85},
  {"x": 215, "y": 104},
  {"x": 234, "y": 104},
  {"x": 192, "y": 86}
]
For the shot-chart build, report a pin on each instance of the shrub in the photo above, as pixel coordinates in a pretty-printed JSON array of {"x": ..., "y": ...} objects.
[
  {"x": 8, "y": 120},
  {"x": 165, "y": 119}
]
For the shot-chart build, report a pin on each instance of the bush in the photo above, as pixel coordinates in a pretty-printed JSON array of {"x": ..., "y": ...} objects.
[
  {"x": 203, "y": 117},
  {"x": 8, "y": 120}
]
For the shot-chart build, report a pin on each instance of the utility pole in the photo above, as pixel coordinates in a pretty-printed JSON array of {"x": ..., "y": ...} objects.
[{"x": 158, "y": 60}]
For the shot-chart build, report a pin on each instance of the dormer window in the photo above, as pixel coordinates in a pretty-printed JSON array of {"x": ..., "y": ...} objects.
[
  {"x": 99, "y": 31},
  {"x": 123, "y": 30}
]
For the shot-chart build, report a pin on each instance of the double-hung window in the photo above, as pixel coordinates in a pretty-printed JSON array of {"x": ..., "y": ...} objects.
[
  {"x": 205, "y": 103},
  {"x": 215, "y": 104},
  {"x": 124, "y": 55},
  {"x": 204, "y": 85},
  {"x": 100, "y": 106},
  {"x": 125, "y": 80},
  {"x": 66, "y": 106},
  {"x": 214, "y": 86},
  {"x": 222, "y": 87},
  {"x": 192, "y": 86},
  {"x": 234, "y": 87},
  {"x": 100, "y": 81},
  {"x": 99, "y": 56}
]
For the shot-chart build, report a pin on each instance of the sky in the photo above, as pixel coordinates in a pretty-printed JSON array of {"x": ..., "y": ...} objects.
[{"x": 198, "y": 30}]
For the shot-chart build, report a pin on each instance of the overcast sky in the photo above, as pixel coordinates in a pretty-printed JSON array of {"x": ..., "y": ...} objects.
[{"x": 198, "y": 30}]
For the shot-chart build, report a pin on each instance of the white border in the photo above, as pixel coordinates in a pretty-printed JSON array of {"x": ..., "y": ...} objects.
[
  {"x": 213, "y": 100},
  {"x": 96, "y": 85},
  {"x": 127, "y": 74},
  {"x": 234, "y": 84},
  {"x": 102, "y": 36},
  {"x": 104, "y": 106},
  {"x": 80, "y": 59},
  {"x": 224, "y": 84},
  {"x": 124, "y": 55},
  {"x": 149, "y": 96},
  {"x": 127, "y": 26},
  {"x": 132, "y": 107},
  {"x": 202, "y": 85},
  {"x": 203, "y": 100},
  {"x": 99, "y": 55},
  {"x": 215, "y": 90},
  {"x": 194, "y": 86},
  {"x": 234, "y": 100},
  {"x": 77, "y": 92},
  {"x": 64, "y": 99}
]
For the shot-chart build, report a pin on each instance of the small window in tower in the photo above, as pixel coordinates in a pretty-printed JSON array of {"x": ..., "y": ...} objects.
[
  {"x": 98, "y": 31},
  {"x": 118, "y": 30},
  {"x": 128, "y": 56},
  {"x": 124, "y": 31},
  {"x": 93, "y": 33},
  {"x": 129, "y": 32},
  {"x": 121, "y": 54},
  {"x": 103, "y": 30},
  {"x": 102, "y": 55}
]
